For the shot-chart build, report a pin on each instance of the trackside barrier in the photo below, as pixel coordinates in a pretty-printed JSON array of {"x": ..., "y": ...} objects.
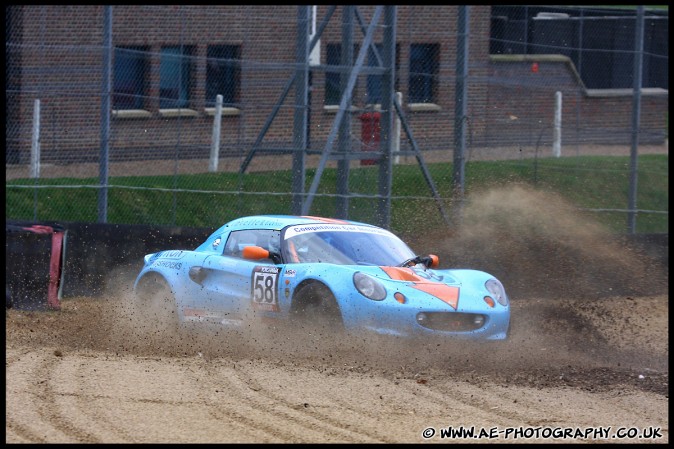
[
  {"x": 110, "y": 255},
  {"x": 34, "y": 261}
]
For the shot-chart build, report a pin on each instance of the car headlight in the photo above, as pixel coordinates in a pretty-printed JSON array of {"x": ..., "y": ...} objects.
[
  {"x": 495, "y": 288},
  {"x": 369, "y": 286}
]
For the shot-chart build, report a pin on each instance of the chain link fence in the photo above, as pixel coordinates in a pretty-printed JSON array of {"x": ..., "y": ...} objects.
[{"x": 194, "y": 115}]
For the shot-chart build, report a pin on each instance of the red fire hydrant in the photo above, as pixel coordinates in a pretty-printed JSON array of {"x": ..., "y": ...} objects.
[{"x": 370, "y": 134}]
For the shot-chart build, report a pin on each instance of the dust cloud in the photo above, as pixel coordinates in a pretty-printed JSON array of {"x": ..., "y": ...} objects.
[{"x": 539, "y": 245}]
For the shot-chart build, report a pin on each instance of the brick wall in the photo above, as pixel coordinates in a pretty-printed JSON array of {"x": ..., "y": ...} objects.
[
  {"x": 61, "y": 58},
  {"x": 521, "y": 105}
]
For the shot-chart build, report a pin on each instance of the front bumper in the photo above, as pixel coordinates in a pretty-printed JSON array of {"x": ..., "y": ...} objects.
[{"x": 418, "y": 318}]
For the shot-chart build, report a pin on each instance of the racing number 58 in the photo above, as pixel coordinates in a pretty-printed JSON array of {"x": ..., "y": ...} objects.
[{"x": 265, "y": 285}]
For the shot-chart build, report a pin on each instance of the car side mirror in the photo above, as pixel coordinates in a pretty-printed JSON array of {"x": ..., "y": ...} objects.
[
  {"x": 434, "y": 261},
  {"x": 259, "y": 253},
  {"x": 255, "y": 253}
]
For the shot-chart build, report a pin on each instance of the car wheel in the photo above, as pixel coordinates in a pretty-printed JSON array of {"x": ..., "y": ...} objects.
[
  {"x": 156, "y": 302},
  {"x": 315, "y": 309}
]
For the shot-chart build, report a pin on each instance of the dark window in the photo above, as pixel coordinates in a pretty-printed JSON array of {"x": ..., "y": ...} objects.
[
  {"x": 374, "y": 81},
  {"x": 424, "y": 64},
  {"x": 333, "y": 57},
  {"x": 174, "y": 77},
  {"x": 129, "y": 85},
  {"x": 223, "y": 69}
]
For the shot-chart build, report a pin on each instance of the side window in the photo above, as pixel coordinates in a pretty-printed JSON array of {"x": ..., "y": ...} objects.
[
  {"x": 237, "y": 241},
  {"x": 268, "y": 239}
]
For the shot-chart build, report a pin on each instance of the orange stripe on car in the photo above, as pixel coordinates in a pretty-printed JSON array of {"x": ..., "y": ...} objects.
[
  {"x": 402, "y": 274},
  {"x": 446, "y": 293},
  {"x": 325, "y": 220}
]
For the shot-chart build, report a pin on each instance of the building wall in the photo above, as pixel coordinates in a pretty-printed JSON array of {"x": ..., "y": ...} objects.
[
  {"x": 521, "y": 105},
  {"x": 61, "y": 58}
]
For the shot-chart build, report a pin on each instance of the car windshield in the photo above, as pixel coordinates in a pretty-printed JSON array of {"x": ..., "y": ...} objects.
[{"x": 343, "y": 245}]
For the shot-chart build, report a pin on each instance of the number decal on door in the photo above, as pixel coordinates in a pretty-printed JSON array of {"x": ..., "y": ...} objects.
[{"x": 264, "y": 290}]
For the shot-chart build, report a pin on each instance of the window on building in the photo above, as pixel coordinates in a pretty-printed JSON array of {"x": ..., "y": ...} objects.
[
  {"x": 130, "y": 78},
  {"x": 374, "y": 81},
  {"x": 333, "y": 57},
  {"x": 373, "y": 84},
  {"x": 175, "y": 77},
  {"x": 223, "y": 72},
  {"x": 424, "y": 65}
]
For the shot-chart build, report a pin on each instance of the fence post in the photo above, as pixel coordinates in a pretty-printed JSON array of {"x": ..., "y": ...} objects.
[
  {"x": 105, "y": 115},
  {"x": 215, "y": 142},
  {"x": 557, "y": 133},
  {"x": 35, "y": 143},
  {"x": 396, "y": 131},
  {"x": 460, "y": 111},
  {"x": 636, "y": 115}
]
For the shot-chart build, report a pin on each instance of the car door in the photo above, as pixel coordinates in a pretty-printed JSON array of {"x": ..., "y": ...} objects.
[{"x": 234, "y": 287}]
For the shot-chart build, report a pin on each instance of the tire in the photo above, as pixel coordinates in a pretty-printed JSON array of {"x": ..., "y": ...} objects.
[
  {"x": 315, "y": 310},
  {"x": 156, "y": 303}
]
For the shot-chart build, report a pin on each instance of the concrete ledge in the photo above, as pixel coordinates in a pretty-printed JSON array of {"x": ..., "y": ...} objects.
[
  {"x": 424, "y": 107},
  {"x": 226, "y": 112},
  {"x": 178, "y": 113},
  {"x": 131, "y": 113},
  {"x": 645, "y": 92}
]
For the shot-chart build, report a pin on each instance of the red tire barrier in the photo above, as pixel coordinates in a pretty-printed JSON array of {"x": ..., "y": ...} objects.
[{"x": 34, "y": 266}]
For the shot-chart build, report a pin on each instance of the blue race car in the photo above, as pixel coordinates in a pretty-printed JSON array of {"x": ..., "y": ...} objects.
[{"x": 322, "y": 272}]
